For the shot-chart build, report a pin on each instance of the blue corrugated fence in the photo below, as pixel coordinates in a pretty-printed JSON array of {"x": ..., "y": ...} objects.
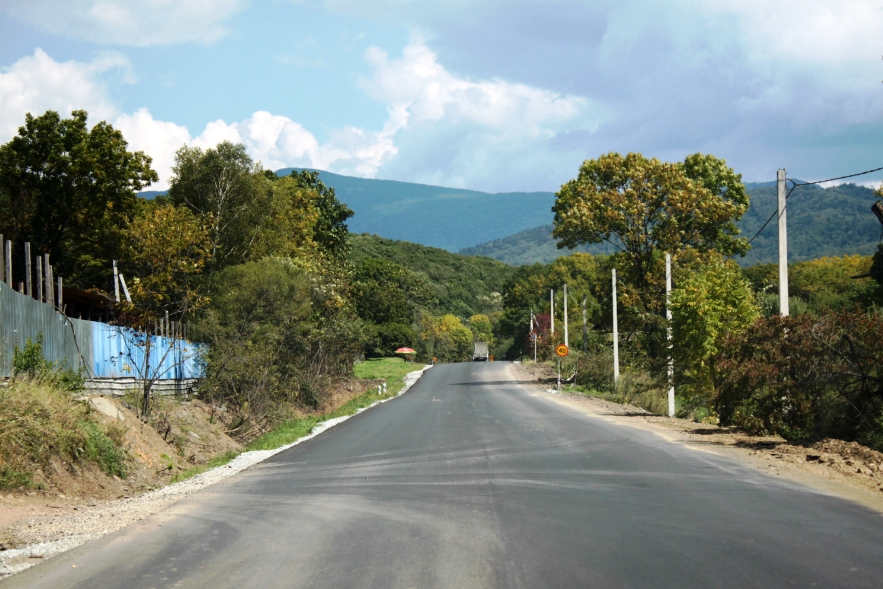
[{"x": 102, "y": 351}]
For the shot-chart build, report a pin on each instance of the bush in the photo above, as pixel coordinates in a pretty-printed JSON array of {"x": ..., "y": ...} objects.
[
  {"x": 28, "y": 363},
  {"x": 803, "y": 377}
]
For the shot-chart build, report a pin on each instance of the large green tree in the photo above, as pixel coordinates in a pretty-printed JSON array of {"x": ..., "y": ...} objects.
[
  {"x": 69, "y": 191},
  {"x": 228, "y": 192},
  {"x": 330, "y": 232},
  {"x": 645, "y": 208}
]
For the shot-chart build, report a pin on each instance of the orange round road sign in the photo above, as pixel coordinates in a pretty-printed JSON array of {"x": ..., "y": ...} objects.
[{"x": 561, "y": 350}]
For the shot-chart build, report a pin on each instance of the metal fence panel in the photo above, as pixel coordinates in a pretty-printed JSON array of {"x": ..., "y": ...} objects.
[
  {"x": 101, "y": 350},
  {"x": 120, "y": 352},
  {"x": 22, "y": 318}
]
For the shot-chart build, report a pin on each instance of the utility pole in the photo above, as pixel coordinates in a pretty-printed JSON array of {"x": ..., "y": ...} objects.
[
  {"x": 783, "y": 247},
  {"x": 552, "y": 308},
  {"x": 615, "y": 335},
  {"x": 585, "y": 331},
  {"x": 671, "y": 366},
  {"x": 566, "y": 331},
  {"x": 533, "y": 336}
]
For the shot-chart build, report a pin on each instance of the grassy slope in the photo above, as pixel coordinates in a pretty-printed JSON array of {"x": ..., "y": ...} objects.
[
  {"x": 389, "y": 369},
  {"x": 459, "y": 282}
]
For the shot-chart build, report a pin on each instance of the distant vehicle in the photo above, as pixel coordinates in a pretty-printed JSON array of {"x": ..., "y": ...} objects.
[{"x": 480, "y": 354}]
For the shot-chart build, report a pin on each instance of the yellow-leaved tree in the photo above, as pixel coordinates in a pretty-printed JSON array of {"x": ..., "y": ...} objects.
[{"x": 165, "y": 250}]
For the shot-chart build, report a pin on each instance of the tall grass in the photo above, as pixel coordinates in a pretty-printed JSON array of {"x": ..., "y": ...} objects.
[{"x": 39, "y": 423}]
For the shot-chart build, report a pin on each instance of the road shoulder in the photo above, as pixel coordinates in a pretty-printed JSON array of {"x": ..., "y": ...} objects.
[{"x": 845, "y": 469}]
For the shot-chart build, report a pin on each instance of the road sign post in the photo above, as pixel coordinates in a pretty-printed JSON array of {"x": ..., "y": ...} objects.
[{"x": 561, "y": 351}]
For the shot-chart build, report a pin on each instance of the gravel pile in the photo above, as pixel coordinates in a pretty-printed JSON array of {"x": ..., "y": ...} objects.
[{"x": 48, "y": 537}]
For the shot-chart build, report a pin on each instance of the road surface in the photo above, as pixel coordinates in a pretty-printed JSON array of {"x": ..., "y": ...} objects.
[{"x": 472, "y": 480}]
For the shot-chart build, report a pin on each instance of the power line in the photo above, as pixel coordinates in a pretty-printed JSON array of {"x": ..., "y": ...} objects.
[
  {"x": 795, "y": 185},
  {"x": 839, "y": 178}
]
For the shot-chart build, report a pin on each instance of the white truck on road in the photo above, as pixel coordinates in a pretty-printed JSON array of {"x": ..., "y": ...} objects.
[{"x": 480, "y": 353}]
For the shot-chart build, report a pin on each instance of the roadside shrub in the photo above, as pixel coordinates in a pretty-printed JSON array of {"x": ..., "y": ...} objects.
[
  {"x": 806, "y": 376},
  {"x": 28, "y": 363}
]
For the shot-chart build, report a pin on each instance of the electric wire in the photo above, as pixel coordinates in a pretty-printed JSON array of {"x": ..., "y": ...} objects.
[{"x": 795, "y": 185}]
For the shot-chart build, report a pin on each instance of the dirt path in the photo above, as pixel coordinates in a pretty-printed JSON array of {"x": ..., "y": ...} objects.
[{"x": 846, "y": 469}]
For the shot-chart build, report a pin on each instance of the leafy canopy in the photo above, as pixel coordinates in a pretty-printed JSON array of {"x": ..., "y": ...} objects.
[
  {"x": 165, "y": 251},
  {"x": 69, "y": 190}
]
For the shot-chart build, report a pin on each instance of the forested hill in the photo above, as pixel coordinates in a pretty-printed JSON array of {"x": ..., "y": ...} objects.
[
  {"x": 463, "y": 285},
  {"x": 448, "y": 218},
  {"x": 821, "y": 222}
]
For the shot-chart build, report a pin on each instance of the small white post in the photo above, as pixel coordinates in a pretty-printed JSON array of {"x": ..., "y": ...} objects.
[
  {"x": 615, "y": 335},
  {"x": 566, "y": 331},
  {"x": 552, "y": 308},
  {"x": 125, "y": 288},
  {"x": 784, "y": 311},
  {"x": 116, "y": 282},
  {"x": 671, "y": 366}
]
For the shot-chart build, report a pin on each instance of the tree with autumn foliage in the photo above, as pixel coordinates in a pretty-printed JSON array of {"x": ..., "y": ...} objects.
[{"x": 165, "y": 251}]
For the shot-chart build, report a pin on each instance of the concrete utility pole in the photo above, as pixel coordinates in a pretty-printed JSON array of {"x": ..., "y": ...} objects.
[
  {"x": 552, "y": 308},
  {"x": 615, "y": 335},
  {"x": 671, "y": 365},
  {"x": 566, "y": 331},
  {"x": 783, "y": 247},
  {"x": 585, "y": 331}
]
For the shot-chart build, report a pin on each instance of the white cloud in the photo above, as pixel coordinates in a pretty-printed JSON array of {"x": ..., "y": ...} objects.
[
  {"x": 424, "y": 91},
  {"x": 124, "y": 22},
  {"x": 456, "y": 131},
  {"x": 38, "y": 83}
]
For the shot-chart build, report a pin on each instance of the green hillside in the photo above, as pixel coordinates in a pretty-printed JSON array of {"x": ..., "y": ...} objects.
[
  {"x": 821, "y": 222},
  {"x": 463, "y": 285},
  {"x": 448, "y": 218}
]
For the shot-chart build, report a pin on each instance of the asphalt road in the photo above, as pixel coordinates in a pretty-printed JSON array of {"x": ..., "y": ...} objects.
[{"x": 473, "y": 480}]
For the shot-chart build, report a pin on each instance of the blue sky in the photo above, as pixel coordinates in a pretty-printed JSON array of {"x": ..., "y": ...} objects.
[{"x": 492, "y": 95}]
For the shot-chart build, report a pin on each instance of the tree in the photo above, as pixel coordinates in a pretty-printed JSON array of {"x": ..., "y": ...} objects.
[
  {"x": 446, "y": 338},
  {"x": 229, "y": 193},
  {"x": 386, "y": 292},
  {"x": 330, "y": 231},
  {"x": 69, "y": 191},
  {"x": 287, "y": 226},
  {"x": 165, "y": 251},
  {"x": 709, "y": 304},
  {"x": 482, "y": 330},
  {"x": 258, "y": 330},
  {"x": 645, "y": 208}
]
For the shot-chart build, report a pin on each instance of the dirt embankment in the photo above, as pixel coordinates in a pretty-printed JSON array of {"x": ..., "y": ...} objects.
[
  {"x": 182, "y": 433},
  {"x": 847, "y": 469}
]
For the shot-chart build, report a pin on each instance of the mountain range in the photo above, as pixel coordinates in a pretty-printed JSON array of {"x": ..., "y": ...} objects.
[{"x": 515, "y": 227}]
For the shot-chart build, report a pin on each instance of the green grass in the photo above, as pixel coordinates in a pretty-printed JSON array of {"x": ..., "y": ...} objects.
[
  {"x": 389, "y": 369},
  {"x": 11, "y": 478}
]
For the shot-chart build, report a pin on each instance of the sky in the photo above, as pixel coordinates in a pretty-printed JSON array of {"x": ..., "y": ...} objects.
[{"x": 487, "y": 95}]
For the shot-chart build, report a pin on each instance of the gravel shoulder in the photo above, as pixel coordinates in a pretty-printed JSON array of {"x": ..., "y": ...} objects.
[
  {"x": 845, "y": 469},
  {"x": 65, "y": 523}
]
